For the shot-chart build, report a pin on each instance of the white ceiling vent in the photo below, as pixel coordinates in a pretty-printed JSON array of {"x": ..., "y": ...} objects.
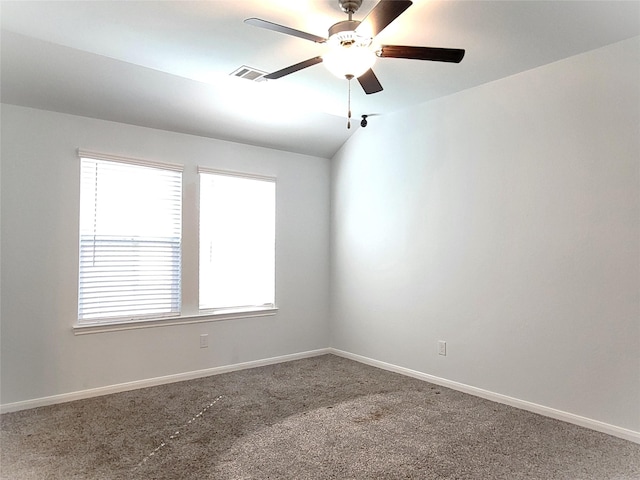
[{"x": 249, "y": 73}]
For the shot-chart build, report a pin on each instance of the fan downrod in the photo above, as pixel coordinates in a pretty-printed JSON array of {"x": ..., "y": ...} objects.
[{"x": 350, "y": 6}]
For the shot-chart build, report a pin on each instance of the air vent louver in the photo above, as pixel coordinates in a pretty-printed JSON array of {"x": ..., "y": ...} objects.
[{"x": 249, "y": 73}]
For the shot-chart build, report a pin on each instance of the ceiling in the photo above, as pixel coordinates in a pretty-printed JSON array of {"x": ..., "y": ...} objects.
[{"x": 167, "y": 64}]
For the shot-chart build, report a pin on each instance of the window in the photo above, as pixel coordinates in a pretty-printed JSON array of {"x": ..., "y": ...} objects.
[
  {"x": 130, "y": 240},
  {"x": 237, "y": 241},
  {"x": 131, "y": 245}
]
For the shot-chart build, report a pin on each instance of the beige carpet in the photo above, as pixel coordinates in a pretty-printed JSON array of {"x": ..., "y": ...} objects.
[{"x": 320, "y": 418}]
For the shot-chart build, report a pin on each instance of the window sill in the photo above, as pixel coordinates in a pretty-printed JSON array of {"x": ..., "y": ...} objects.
[{"x": 217, "y": 316}]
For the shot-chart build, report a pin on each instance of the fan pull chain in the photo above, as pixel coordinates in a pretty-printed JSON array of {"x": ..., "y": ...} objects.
[{"x": 349, "y": 78}]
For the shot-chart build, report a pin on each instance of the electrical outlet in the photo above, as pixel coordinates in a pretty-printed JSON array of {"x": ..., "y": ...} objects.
[
  {"x": 442, "y": 348},
  {"x": 204, "y": 340}
]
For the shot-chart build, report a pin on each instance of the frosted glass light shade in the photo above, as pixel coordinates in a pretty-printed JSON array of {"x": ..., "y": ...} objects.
[{"x": 346, "y": 58}]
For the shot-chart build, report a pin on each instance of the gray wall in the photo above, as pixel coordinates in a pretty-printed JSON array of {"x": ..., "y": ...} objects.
[
  {"x": 504, "y": 220},
  {"x": 42, "y": 357}
]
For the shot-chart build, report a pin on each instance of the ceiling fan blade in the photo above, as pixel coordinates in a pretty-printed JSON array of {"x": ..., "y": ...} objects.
[
  {"x": 369, "y": 82},
  {"x": 293, "y": 68},
  {"x": 453, "y": 55},
  {"x": 257, "y": 22},
  {"x": 385, "y": 12}
]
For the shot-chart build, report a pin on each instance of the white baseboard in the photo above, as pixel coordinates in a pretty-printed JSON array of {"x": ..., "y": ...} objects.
[
  {"x": 624, "y": 433},
  {"x": 620, "y": 432},
  {"x": 152, "y": 382}
]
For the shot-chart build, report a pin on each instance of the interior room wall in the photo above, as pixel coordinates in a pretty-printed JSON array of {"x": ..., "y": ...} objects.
[
  {"x": 41, "y": 356},
  {"x": 504, "y": 220}
]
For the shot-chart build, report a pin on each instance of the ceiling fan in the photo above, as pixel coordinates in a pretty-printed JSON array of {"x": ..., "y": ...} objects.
[{"x": 351, "y": 52}]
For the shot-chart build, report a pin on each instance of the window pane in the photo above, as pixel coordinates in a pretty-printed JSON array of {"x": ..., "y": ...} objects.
[
  {"x": 130, "y": 240},
  {"x": 237, "y": 241}
]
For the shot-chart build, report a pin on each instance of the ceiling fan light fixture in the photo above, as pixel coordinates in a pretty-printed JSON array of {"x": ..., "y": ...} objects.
[
  {"x": 350, "y": 50},
  {"x": 348, "y": 54}
]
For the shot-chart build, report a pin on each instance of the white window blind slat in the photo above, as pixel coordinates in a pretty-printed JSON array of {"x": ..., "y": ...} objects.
[{"x": 130, "y": 240}]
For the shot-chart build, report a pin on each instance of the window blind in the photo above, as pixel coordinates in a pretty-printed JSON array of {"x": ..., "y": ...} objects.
[{"x": 130, "y": 240}]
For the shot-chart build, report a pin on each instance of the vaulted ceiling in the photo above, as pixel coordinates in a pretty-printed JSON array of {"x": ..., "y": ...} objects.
[{"x": 167, "y": 64}]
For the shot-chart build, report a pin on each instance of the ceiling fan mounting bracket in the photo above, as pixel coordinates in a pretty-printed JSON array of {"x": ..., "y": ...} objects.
[{"x": 350, "y": 6}]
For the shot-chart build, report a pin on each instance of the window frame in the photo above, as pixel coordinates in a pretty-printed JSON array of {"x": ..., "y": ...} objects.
[
  {"x": 251, "y": 309},
  {"x": 189, "y": 314},
  {"x": 131, "y": 316}
]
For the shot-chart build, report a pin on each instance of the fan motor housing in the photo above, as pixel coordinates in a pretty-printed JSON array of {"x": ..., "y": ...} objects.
[{"x": 344, "y": 26}]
